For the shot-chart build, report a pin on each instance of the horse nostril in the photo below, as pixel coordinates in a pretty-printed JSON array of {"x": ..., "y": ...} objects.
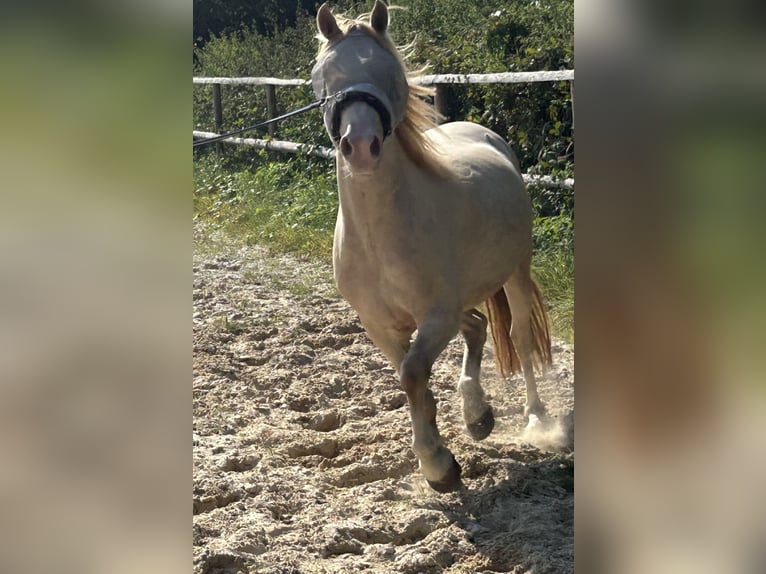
[
  {"x": 345, "y": 147},
  {"x": 375, "y": 147}
]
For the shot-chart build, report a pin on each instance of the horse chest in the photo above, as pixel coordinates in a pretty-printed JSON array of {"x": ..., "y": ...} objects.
[
  {"x": 381, "y": 271},
  {"x": 380, "y": 278}
]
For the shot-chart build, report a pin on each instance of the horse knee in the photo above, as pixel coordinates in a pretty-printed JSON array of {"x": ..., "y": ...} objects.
[{"x": 415, "y": 371}]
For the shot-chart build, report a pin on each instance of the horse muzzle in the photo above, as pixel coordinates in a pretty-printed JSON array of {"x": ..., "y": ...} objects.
[{"x": 360, "y": 149}]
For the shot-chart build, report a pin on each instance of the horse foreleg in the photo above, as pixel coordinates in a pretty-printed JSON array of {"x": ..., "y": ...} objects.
[
  {"x": 437, "y": 464},
  {"x": 394, "y": 343},
  {"x": 477, "y": 414}
]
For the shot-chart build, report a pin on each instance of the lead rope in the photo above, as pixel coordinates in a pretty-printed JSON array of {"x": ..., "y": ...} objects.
[{"x": 311, "y": 106}]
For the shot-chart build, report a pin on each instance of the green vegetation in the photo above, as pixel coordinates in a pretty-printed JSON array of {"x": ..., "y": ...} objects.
[
  {"x": 288, "y": 207},
  {"x": 289, "y": 202}
]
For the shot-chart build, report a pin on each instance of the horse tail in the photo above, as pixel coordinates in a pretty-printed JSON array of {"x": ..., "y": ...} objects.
[
  {"x": 541, "y": 330},
  {"x": 499, "y": 315},
  {"x": 500, "y": 322}
]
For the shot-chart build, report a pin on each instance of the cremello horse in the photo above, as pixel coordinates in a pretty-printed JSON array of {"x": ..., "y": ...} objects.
[{"x": 433, "y": 221}]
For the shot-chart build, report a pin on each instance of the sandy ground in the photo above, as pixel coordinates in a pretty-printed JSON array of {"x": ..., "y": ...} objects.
[{"x": 302, "y": 459}]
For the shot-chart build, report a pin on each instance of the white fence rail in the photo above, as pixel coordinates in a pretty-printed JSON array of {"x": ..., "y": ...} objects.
[
  {"x": 274, "y": 145},
  {"x": 497, "y": 78},
  {"x": 245, "y": 81}
]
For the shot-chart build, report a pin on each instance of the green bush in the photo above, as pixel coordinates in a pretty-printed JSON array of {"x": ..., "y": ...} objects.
[{"x": 284, "y": 54}]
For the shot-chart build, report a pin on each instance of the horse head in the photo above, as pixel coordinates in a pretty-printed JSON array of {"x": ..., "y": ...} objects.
[{"x": 365, "y": 83}]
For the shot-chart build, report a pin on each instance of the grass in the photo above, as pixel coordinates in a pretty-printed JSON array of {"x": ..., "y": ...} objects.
[
  {"x": 269, "y": 206},
  {"x": 234, "y": 327},
  {"x": 289, "y": 206},
  {"x": 554, "y": 272}
]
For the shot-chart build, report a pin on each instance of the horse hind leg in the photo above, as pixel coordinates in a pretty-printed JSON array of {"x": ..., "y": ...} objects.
[
  {"x": 529, "y": 333},
  {"x": 477, "y": 414}
]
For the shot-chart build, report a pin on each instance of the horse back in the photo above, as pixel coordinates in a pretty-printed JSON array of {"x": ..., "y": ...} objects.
[{"x": 453, "y": 136}]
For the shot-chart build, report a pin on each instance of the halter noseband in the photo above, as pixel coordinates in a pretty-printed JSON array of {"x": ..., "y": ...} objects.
[{"x": 344, "y": 98}]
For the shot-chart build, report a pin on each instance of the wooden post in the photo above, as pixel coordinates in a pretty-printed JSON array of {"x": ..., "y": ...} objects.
[
  {"x": 218, "y": 114},
  {"x": 271, "y": 107},
  {"x": 440, "y": 100},
  {"x": 217, "y": 108},
  {"x": 571, "y": 92}
]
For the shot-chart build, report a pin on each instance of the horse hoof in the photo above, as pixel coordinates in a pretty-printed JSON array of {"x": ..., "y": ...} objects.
[
  {"x": 451, "y": 481},
  {"x": 537, "y": 409},
  {"x": 480, "y": 429}
]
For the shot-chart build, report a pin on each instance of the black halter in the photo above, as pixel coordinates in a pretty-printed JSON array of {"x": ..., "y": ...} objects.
[{"x": 346, "y": 97}]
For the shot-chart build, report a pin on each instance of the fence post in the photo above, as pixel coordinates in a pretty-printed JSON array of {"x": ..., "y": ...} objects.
[
  {"x": 217, "y": 108},
  {"x": 571, "y": 93},
  {"x": 271, "y": 107},
  {"x": 440, "y": 100},
  {"x": 218, "y": 114}
]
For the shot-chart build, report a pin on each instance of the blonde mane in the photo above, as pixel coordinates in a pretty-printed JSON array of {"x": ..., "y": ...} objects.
[{"x": 418, "y": 116}]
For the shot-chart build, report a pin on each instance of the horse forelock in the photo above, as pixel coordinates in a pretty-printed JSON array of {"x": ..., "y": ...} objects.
[{"x": 418, "y": 115}]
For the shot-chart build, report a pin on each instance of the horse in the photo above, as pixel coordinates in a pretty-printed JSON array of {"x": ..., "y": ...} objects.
[{"x": 432, "y": 221}]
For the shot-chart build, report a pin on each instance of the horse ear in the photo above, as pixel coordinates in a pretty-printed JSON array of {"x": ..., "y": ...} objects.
[
  {"x": 379, "y": 17},
  {"x": 326, "y": 23}
]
